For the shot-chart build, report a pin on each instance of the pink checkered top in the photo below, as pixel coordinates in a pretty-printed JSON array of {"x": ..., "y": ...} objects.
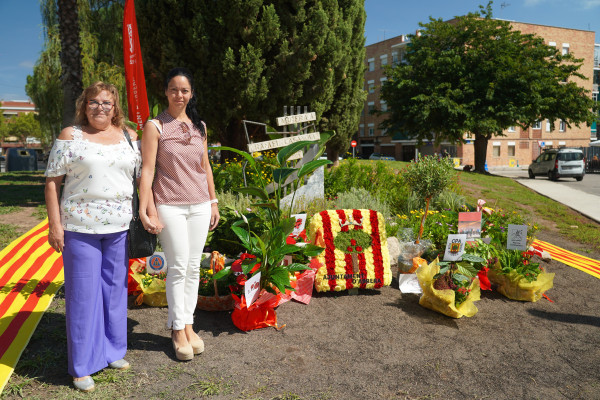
[{"x": 180, "y": 176}]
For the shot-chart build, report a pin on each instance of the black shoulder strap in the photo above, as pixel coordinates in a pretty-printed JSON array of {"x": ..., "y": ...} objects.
[{"x": 126, "y": 134}]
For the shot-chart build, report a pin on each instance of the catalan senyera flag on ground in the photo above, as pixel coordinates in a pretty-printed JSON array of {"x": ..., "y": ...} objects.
[
  {"x": 31, "y": 273},
  {"x": 571, "y": 259}
]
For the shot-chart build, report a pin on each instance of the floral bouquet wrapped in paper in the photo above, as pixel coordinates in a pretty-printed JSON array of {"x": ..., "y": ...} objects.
[
  {"x": 152, "y": 286},
  {"x": 450, "y": 290},
  {"x": 518, "y": 278},
  {"x": 356, "y": 254}
]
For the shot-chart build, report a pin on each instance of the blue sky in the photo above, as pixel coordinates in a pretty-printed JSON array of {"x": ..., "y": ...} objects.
[{"x": 21, "y": 31}]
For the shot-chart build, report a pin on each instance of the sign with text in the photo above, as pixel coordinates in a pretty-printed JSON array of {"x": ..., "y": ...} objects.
[
  {"x": 517, "y": 237},
  {"x": 455, "y": 247},
  {"x": 276, "y": 143},
  {"x": 252, "y": 289},
  {"x": 296, "y": 119}
]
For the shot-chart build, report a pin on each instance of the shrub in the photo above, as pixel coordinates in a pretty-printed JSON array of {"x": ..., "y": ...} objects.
[{"x": 379, "y": 179}]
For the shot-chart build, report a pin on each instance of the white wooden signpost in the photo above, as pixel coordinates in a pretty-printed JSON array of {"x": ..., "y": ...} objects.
[{"x": 296, "y": 128}]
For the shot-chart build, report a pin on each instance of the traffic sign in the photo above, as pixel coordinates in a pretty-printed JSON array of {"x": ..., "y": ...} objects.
[{"x": 353, "y": 143}]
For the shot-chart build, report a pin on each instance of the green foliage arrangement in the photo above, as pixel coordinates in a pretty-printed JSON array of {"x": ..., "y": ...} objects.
[
  {"x": 268, "y": 249},
  {"x": 458, "y": 276},
  {"x": 428, "y": 176}
]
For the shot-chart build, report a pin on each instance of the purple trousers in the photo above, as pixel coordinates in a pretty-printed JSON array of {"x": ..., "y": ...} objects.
[{"x": 96, "y": 269}]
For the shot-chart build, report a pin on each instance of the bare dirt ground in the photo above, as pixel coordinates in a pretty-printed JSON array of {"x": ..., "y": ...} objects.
[{"x": 374, "y": 345}]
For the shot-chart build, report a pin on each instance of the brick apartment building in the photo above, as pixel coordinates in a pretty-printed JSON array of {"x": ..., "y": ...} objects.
[
  {"x": 519, "y": 146},
  {"x": 13, "y": 108}
]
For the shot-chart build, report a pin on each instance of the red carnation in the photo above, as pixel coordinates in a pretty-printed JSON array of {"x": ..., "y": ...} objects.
[{"x": 359, "y": 249}]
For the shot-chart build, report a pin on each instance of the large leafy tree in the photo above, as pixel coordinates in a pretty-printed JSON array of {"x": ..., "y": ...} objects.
[
  {"x": 101, "y": 58},
  {"x": 477, "y": 75},
  {"x": 250, "y": 58},
  {"x": 22, "y": 126}
]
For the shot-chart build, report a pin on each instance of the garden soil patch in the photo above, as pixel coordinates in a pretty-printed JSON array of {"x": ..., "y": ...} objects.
[{"x": 374, "y": 345}]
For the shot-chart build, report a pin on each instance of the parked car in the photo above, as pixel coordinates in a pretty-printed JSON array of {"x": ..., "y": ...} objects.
[
  {"x": 559, "y": 163},
  {"x": 377, "y": 156}
]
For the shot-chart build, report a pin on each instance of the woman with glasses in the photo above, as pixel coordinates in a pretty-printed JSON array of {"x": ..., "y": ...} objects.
[
  {"x": 89, "y": 225},
  {"x": 177, "y": 176}
]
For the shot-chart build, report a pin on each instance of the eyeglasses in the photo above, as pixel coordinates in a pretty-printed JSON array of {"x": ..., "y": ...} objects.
[
  {"x": 186, "y": 132},
  {"x": 106, "y": 105}
]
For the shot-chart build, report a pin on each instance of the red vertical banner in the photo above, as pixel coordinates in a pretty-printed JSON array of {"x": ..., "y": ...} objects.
[{"x": 134, "y": 68}]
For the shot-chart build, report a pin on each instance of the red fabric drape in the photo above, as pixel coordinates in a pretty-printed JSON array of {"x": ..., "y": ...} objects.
[{"x": 134, "y": 69}]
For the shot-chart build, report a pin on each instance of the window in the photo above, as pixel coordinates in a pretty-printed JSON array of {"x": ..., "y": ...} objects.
[
  {"x": 512, "y": 128},
  {"x": 384, "y": 60},
  {"x": 395, "y": 59},
  {"x": 537, "y": 125},
  {"x": 549, "y": 126},
  {"x": 371, "y": 62},
  {"x": 371, "y": 86},
  {"x": 383, "y": 105},
  {"x": 511, "y": 149},
  {"x": 562, "y": 126},
  {"x": 565, "y": 49},
  {"x": 496, "y": 150},
  {"x": 371, "y": 129},
  {"x": 361, "y": 130},
  {"x": 371, "y": 106}
]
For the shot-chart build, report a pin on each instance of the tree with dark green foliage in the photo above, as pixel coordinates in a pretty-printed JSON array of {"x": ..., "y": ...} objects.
[
  {"x": 250, "y": 58},
  {"x": 70, "y": 57},
  {"x": 477, "y": 75},
  {"x": 100, "y": 35}
]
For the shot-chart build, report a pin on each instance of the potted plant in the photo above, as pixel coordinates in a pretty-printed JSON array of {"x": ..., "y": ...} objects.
[
  {"x": 267, "y": 250},
  {"x": 427, "y": 176},
  {"x": 518, "y": 277},
  {"x": 450, "y": 288},
  {"x": 214, "y": 295}
]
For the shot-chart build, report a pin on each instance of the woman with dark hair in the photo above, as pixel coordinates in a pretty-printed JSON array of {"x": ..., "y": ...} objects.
[
  {"x": 89, "y": 225},
  {"x": 177, "y": 176}
]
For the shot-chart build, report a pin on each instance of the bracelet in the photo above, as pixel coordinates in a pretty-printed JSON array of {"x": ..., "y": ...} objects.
[{"x": 214, "y": 201}]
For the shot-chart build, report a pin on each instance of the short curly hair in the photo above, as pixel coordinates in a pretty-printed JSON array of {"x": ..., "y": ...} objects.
[{"x": 92, "y": 91}]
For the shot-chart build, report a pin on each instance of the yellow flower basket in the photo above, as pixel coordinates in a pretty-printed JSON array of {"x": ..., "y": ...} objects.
[
  {"x": 515, "y": 287},
  {"x": 442, "y": 301}
]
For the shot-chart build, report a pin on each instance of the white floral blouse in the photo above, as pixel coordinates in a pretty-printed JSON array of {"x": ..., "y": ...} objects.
[{"x": 96, "y": 197}]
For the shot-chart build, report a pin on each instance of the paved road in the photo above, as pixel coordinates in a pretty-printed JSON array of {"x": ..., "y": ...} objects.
[{"x": 583, "y": 196}]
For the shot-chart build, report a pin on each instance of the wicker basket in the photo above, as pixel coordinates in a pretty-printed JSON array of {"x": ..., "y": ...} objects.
[{"x": 216, "y": 302}]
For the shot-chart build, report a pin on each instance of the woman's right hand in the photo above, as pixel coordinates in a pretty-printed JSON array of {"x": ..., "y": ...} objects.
[{"x": 56, "y": 238}]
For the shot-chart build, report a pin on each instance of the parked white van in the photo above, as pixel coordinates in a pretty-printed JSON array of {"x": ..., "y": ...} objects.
[{"x": 559, "y": 163}]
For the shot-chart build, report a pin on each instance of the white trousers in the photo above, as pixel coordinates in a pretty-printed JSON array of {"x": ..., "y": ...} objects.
[{"x": 182, "y": 239}]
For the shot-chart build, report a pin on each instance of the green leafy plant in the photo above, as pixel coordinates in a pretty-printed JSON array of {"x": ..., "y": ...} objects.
[
  {"x": 268, "y": 249},
  {"x": 520, "y": 262},
  {"x": 458, "y": 275},
  {"x": 427, "y": 177}
]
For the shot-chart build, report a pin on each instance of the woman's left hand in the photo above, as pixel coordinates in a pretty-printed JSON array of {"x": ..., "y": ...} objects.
[{"x": 214, "y": 216}]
